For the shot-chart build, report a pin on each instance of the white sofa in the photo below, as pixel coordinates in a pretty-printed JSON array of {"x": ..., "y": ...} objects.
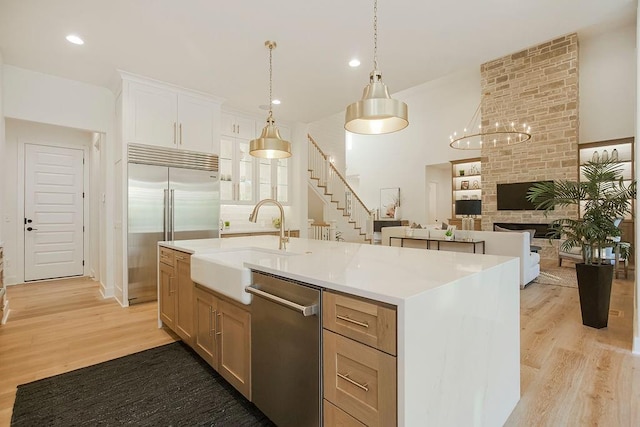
[{"x": 514, "y": 244}]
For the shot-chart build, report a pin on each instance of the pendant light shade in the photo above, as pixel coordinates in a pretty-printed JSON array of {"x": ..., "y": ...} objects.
[
  {"x": 270, "y": 145},
  {"x": 376, "y": 113}
]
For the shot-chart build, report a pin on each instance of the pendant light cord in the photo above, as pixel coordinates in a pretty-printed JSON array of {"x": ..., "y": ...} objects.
[
  {"x": 375, "y": 34},
  {"x": 270, "y": 82}
]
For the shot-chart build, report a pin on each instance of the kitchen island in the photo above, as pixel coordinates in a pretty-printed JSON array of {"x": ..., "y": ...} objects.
[{"x": 458, "y": 346}]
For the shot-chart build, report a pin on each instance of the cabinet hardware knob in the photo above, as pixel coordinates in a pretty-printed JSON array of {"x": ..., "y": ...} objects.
[
  {"x": 350, "y": 320},
  {"x": 355, "y": 383}
]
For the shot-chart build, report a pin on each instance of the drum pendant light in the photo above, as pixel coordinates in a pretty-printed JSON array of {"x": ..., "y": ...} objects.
[
  {"x": 270, "y": 145},
  {"x": 376, "y": 113}
]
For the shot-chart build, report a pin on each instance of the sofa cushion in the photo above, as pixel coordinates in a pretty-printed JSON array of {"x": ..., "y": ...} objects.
[{"x": 531, "y": 231}]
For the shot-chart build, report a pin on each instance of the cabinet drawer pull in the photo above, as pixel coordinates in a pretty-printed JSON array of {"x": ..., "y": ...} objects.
[
  {"x": 180, "y": 127},
  {"x": 355, "y": 383},
  {"x": 217, "y": 324},
  {"x": 174, "y": 133},
  {"x": 348, "y": 319},
  {"x": 211, "y": 324}
]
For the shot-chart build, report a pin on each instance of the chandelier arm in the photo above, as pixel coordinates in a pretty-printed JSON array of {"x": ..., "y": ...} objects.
[{"x": 473, "y": 118}]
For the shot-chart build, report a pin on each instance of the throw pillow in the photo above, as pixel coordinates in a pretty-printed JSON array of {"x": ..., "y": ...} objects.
[{"x": 531, "y": 231}]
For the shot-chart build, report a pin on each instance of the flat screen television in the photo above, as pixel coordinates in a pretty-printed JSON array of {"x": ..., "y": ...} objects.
[{"x": 513, "y": 197}]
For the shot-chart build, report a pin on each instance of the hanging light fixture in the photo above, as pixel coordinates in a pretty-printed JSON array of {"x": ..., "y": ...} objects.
[
  {"x": 270, "y": 145},
  {"x": 376, "y": 113},
  {"x": 501, "y": 133}
]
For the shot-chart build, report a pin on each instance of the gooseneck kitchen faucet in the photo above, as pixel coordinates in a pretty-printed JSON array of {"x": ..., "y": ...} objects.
[{"x": 254, "y": 217}]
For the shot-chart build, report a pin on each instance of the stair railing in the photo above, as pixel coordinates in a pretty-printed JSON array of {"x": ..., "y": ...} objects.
[{"x": 336, "y": 187}]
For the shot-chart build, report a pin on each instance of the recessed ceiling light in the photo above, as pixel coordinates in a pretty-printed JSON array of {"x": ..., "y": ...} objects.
[
  {"x": 354, "y": 63},
  {"x": 276, "y": 102},
  {"x": 72, "y": 38}
]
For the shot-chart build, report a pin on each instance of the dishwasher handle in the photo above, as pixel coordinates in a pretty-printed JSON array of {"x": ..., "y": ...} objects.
[{"x": 308, "y": 310}]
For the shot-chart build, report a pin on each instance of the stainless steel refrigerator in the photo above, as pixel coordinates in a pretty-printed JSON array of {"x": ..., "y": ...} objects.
[{"x": 172, "y": 195}]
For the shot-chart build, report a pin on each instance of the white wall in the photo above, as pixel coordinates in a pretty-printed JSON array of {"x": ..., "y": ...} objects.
[
  {"x": 440, "y": 176},
  {"x": 636, "y": 315},
  {"x": 18, "y": 133},
  {"x": 607, "y": 79},
  {"x": 47, "y": 99},
  {"x": 2, "y": 145},
  {"x": 398, "y": 160}
]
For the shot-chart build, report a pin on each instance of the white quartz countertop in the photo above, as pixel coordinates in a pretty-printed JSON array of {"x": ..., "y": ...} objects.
[{"x": 384, "y": 273}]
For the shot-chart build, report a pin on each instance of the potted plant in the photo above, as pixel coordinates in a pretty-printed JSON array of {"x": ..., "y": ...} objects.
[
  {"x": 603, "y": 199},
  {"x": 448, "y": 235}
]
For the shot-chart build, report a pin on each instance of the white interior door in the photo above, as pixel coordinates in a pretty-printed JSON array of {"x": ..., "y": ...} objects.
[{"x": 54, "y": 212}]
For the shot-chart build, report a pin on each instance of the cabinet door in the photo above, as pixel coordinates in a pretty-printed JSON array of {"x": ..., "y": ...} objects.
[
  {"x": 152, "y": 116},
  {"x": 238, "y": 126},
  {"x": 360, "y": 380},
  {"x": 246, "y": 128},
  {"x": 167, "y": 296},
  {"x": 184, "y": 298},
  {"x": 196, "y": 123},
  {"x": 205, "y": 310},
  {"x": 245, "y": 164},
  {"x": 234, "y": 340}
]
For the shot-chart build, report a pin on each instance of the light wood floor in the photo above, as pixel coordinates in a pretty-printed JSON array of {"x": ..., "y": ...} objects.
[
  {"x": 571, "y": 375},
  {"x": 59, "y": 326}
]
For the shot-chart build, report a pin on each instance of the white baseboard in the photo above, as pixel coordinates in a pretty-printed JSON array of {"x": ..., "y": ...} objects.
[
  {"x": 106, "y": 293},
  {"x": 636, "y": 345}
]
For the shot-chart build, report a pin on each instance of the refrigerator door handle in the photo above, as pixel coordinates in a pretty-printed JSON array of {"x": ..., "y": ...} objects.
[
  {"x": 172, "y": 208},
  {"x": 165, "y": 219}
]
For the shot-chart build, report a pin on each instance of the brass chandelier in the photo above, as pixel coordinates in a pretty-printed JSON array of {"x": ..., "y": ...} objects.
[
  {"x": 501, "y": 133},
  {"x": 376, "y": 113},
  {"x": 270, "y": 145}
]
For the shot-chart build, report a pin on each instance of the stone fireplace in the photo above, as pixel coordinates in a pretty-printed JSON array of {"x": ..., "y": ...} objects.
[{"x": 538, "y": 86}]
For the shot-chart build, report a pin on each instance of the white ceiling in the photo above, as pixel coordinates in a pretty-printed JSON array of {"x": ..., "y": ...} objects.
[{"x": 218, "y": 46}]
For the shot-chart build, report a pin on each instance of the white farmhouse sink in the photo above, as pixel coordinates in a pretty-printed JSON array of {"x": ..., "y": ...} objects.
[{"x": 225, "y": 272}]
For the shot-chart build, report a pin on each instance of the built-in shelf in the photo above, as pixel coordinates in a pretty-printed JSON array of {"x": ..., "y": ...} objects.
[
  {"x": 595, "y": 151},
  {"x": 466, "y": 182}
]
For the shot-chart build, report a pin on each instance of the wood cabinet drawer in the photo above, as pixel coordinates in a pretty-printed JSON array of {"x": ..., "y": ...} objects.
[
  {"x": 360, "y": 380},
  {"x": 336, "y": 417},
  {"x": 166, "y": 256},
  {"x": 363, "y": 320}
]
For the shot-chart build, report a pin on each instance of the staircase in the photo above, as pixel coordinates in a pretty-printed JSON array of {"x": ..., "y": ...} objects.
[{"x": 332, "y": 185}]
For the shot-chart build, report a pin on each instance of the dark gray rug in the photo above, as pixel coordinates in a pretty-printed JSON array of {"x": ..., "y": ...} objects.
[{"x": 165, "y": 386}]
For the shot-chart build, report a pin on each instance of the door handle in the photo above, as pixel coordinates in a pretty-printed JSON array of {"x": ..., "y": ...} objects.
[
  {"x": 166, "y": 214},
  {"x": 31, "y": 229},
  {"x": 308, "y": 310},
  {"x": 172, "y": 217}
]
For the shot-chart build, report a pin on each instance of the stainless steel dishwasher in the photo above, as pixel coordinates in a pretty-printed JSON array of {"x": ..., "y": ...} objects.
[{"x": 285, "y": 350}]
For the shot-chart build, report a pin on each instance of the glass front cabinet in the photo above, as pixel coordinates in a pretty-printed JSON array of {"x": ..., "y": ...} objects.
[{"x": 236, "y": 171}]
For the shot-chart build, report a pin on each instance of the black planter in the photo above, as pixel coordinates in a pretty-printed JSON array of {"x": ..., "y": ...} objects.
[{"x": 594, "y": 286}]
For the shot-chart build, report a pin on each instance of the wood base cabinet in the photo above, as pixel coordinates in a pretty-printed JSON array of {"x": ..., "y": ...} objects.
[
  {"x": 359, "y": 362},
  {"x": 167, "y": 295},
  {"x": 336, "y": 417},
  {"x": 176, "y": 293},
  {"x": 223, "y": 338}
]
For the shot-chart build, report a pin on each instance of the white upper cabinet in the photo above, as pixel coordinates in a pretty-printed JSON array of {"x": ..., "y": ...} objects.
[
  {"x": 238, "y": 126},
  {"x": 152, "y": 116},
  {"x": 196, "y": 124},
  {"x": 169, "y": 117}
]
